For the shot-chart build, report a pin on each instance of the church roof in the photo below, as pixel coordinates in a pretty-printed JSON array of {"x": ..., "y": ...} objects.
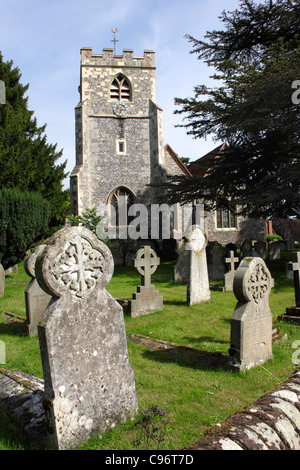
[
  {"x": 177, "y": 160},
  {"x": 200, "y": 167}
]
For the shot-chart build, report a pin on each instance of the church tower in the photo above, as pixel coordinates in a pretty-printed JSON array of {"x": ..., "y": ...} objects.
[{"x": 119, "y": 130}]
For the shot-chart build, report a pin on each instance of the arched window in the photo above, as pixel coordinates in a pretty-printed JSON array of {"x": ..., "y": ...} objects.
[
  {"x": 120, "y": 89},
  {"x": 119, "y": 202}
]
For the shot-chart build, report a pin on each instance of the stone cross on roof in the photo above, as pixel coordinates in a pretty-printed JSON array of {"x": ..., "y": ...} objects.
[
  {"x": 231, "y": 260},
  {"x": 146, "y": 263},
  {"x": 296, "y": 269}
]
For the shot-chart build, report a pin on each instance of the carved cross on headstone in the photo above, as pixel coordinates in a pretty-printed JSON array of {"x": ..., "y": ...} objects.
[
  {"x": 146, "y": 262},
  {"x": 296, "y": 269},
  {"x": 231, "y": 260}
]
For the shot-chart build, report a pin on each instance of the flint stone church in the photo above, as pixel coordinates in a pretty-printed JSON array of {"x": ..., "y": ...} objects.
[{"x": 120, "y": 149}]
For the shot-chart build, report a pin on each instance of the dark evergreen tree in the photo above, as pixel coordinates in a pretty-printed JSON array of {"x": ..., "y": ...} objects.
[
  {"x": 27, "y": 160},
  {"x": 256, "y": 58}
]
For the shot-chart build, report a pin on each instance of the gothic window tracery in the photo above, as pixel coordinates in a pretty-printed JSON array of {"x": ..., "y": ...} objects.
[
  {"x": 119, "y": 202},
  {"x": 120, "y": 89}
]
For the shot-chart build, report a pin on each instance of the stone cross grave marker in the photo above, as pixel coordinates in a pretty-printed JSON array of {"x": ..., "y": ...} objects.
[
  {"x": 146, "y": 299},
  {"x": 2, "y": 281},
  {"x": 229, "y": 277},
  {"x": 292, "y": 314},
  {"x": 89, "y": 383},
  {"x": 296, "y": 270},
  {"x": 251, "y": 323},
  {"x": 198, "y": 283},
  {"x": 36, "y": 299}
]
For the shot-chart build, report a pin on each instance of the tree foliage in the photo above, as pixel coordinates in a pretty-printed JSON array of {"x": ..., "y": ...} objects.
[
  {"x": 27, "y": 160},
  {"x": 256, "y": 58},
  {"x": 24, "y": 219}
]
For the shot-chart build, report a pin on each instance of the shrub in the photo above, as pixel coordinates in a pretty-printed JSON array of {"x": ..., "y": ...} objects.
[{"x": 24, "y": 219}]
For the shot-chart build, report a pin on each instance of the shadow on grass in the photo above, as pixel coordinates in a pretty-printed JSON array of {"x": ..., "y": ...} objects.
[
  {"x": 185, "y": 356},
  {"x": 13, "y": 325}
]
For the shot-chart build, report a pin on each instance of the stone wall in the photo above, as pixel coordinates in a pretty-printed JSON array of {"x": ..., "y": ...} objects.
[{"x": 270, "y": 423}]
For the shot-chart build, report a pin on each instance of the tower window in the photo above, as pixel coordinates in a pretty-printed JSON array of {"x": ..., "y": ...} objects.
[
  {"x": 120, "y": 89},
  {"x": 121, "y": 146}
]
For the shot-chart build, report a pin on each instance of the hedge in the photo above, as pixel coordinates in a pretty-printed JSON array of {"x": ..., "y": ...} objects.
[{"x": 24, "y": 219}]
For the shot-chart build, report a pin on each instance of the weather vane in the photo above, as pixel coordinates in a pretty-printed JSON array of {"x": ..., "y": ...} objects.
[{"x": 114, "y": 40}]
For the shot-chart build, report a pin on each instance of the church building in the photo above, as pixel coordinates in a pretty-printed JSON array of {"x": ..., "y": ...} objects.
[{"x": 120, "y": 150}]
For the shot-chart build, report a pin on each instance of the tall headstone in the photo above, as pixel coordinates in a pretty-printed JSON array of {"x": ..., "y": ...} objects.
[
  {"x": 292, "y": 314},
  {"x": 146, "y": 299},
  {"x": 2, "y": 280},
  {"x": 229, "y": 276},
  {"x": 251, "y": 323},
  {"x": 198, "y": 283},
  {"x": 89, "y": 383},
  {"x": 36, "y": 299}
]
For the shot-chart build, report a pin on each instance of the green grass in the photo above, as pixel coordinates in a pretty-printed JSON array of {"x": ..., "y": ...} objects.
[{"x": 191, "y": 384}]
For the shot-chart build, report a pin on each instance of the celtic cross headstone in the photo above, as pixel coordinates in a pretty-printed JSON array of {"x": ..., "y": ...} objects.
[
  {"x": 251, "y": 322},
  {"x": 36, "y": 299},
  {"x": 89, "y": 383},
  {"x": 146, "y": 299}
]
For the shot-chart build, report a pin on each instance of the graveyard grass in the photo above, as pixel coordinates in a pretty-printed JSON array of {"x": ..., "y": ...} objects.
[{"x": 190, "y": 382}]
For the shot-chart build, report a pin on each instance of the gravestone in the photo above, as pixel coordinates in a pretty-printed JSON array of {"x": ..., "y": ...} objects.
[
  {"x": 216, "y": 253},
  {"x": 292, "y": 314},
  {"x": 260, "y": 250},
  {"x": 251, "y": 323},
  {"x": 246, "y": 249},
  {"x": 2, "y": 280},
  {"x": 36, "y": 299},
  {"x": 274, "y": 250},
  {"x": 88, "y": 380},
  {"x": 180, "y": 271},
  {"x": 198, "y": 283},
  {"x": 146, "y": 299},
  {"x": 229, "y": 277}
]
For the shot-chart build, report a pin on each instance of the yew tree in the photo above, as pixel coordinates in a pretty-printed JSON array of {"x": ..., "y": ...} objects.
[{"x": 256, "y": 59}]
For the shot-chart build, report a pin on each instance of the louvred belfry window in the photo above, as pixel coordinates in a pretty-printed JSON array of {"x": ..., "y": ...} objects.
[{"x": 120, "y": 89}]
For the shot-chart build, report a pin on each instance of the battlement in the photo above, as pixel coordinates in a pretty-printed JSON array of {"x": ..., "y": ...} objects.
[{"x": 107, "y": 58}]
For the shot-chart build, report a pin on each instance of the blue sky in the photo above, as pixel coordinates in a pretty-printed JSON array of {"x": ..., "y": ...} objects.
[{"x": 44, "y": 38}]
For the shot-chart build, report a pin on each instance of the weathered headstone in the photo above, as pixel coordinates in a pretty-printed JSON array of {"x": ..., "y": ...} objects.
[
  {"x": 292, "y": 314},
  {"x": 229, "y": 277},
  {"x": 198, "y": 283},
  {"x": 246, "y": 248},
  {"x": 215, "y": 253},
  {"x": 146, "y": 299},
  {"x": 89, "y": 383},
  {"x": 260, "y": 250},
  {"x": 36, "y": 299},
  {"x": 251, "y": 323},
  {"x": 274, "y": 250},
  {"x": 180, "y": 271},
  {"x": 2, "y": 280}
]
